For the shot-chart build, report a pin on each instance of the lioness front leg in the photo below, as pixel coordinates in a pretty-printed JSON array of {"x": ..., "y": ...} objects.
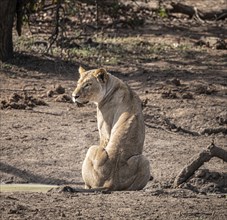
[{"x": 96, "y": 167}]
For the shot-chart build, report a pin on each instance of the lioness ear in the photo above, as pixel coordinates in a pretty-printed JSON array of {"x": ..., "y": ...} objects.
[
  {"x": 101, "y": 75},
  {"x": 81, "y": 71}
]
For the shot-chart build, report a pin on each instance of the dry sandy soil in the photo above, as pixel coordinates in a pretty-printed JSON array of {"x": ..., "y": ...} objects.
[{"x": 44, "y": 137}]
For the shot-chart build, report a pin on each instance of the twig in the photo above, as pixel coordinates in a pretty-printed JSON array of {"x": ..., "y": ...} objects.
[
  {"x": 97, "y": 13},
  {"x": 180, "y": 129},
  {"x": 21, "y": 90},
  {"x": 47, "y": 113},
  {"x": 221, "y": 16},
  {"x": 159, "y": 127},
  {"x": 54, "y": 36}
]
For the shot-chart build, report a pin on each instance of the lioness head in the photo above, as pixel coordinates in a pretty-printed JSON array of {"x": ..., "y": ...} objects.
[{"x": 91, "y": 86}]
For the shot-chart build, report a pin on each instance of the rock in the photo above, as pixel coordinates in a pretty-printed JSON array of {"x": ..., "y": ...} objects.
[
  {"x": 50, "y": 93},
  {"x": 169, "y": 95},
  {"x": 221, "y": 45},
  {"x": 187, "y": 95},
  {"x": 175, "y": 82},
  {"x": 64, "y": 98},
  {"x": 144, "y": 102},
  {"x": 59, "y": 89},
  {"x": 204, "y": 89},
  {"x": 15, "y": 97},
  {"x": 16, "y": 101}
]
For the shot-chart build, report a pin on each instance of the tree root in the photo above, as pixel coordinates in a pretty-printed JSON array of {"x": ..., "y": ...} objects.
[
  {"x": 206, "y": 131},
  {"x": 197, "y": 161},
  {"x": 210, "y": 131}
]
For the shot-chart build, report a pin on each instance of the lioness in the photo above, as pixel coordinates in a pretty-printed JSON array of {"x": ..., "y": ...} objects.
[{"x": 117, "y": 162}]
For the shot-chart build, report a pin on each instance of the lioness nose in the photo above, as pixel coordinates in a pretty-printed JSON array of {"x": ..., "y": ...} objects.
[{"x": 75, "y": 96}]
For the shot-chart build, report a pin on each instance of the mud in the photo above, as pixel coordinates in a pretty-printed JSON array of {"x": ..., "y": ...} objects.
[{"x": 184, "y": 94}]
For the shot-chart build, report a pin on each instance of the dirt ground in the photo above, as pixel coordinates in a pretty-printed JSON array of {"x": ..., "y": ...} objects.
[{"x": 44, "y": 136}]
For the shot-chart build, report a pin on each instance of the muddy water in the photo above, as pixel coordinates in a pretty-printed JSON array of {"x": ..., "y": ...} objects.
[{"x": 26, "y": 187}]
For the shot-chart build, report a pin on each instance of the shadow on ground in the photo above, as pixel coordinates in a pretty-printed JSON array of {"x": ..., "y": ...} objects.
[{"x": 29, "y": 177}]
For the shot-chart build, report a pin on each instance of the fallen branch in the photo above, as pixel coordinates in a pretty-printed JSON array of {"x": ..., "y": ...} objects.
[
  {"x": 183, "y": 9},
  {"x": 197, "y": 161},
  {"x": 194, "y": 12}
]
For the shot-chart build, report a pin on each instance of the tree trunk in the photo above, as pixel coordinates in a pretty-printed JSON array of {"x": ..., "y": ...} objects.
[{"x": 7, "y": 13}]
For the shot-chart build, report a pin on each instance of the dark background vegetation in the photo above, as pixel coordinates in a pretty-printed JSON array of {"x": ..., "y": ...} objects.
[{"x": 61, "y": 23}]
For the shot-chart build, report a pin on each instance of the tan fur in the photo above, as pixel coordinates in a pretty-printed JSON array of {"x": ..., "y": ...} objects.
[{"x": 117, "y": 162}]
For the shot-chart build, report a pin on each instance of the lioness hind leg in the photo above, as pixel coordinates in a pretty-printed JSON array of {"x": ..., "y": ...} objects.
[
  {"x": 141, "y": 172},
  {"x": 95, "y": 169}
]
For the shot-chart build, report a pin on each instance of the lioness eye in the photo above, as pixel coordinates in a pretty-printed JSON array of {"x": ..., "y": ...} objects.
[{"x": 87, "y": 85}]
